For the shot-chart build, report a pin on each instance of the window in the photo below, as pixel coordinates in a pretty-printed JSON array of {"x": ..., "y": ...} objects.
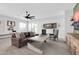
[
  {"x": 22, "y": 25},
  {"x": 36, "y": 28},
  {"x": 30, "y": 27},
  {"x": 33, "y": 27}
]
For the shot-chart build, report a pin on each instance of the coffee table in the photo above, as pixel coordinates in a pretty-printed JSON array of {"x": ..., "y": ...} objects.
[{"x": 41, "y": 39}]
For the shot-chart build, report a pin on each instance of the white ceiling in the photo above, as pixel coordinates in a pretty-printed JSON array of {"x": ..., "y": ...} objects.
[{"x": 40, "y": 10}]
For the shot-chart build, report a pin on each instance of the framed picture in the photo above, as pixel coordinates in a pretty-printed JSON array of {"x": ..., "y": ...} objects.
[{"x": 10, "y": 23}]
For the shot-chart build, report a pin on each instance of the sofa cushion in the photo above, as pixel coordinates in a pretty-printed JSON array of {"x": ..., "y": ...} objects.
[
  {"x": 26, "y": 34},
  {"x": 32, "y": 34},
  {"x": 29, "y": 34},
  {"x": 22, "y": 36}
]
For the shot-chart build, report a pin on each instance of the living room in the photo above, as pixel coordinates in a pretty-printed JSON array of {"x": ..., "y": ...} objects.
[{"x": 16, "y": 19}]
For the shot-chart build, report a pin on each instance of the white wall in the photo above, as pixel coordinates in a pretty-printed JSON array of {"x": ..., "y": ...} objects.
[
  {"x": 60, "y": 19},
  {"x": 63, "y": 19},
  {"x": 4, "y": 27}
]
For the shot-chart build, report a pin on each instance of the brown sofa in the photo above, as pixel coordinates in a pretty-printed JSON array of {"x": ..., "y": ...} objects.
[{"x": 20, "y": 39}]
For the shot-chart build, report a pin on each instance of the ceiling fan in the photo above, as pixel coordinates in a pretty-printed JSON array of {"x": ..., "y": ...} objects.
[{"x": 28, "y": 16}]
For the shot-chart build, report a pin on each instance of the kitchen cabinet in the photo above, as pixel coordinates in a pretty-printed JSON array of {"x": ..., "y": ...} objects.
[{"x": 73, "y": 44}]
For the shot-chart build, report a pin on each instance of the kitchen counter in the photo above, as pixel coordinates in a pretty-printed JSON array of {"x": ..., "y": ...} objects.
[
  {"x": 75, "y": 35},
  {"x": 73, "y": 43}
]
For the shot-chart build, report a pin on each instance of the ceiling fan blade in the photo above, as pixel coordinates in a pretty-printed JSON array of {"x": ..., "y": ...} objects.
[
  {"x": 28, "y": 15},
  {"x": 32, "y": 17},
  {"x": 26, "y": 12}
]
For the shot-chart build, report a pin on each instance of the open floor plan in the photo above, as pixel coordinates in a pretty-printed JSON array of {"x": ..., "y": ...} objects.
[{"x": 39, "y": 28}]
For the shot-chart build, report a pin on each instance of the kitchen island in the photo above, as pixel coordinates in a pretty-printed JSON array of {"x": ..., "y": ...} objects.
[{"x": 73, "y": 43}]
